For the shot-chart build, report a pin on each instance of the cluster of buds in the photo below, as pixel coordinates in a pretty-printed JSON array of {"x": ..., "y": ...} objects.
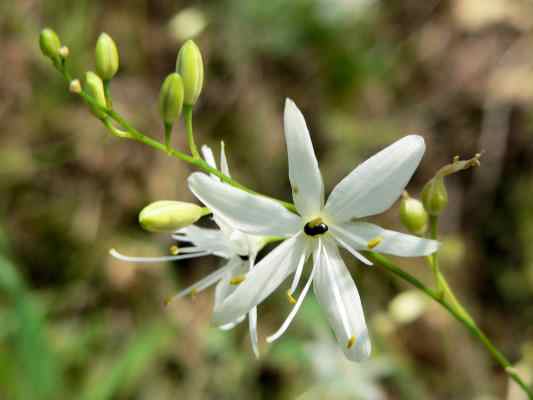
[
  {"x": 414, "y": 214},
  {"x": 182, "y": 87}
]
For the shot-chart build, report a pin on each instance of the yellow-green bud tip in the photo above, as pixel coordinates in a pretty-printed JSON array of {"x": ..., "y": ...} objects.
[
  {"x": 64, "y": 51},
  {"x": 435, "y": 196},
  {"x": 171, "y": 98},
  {"x": 190, "y": 66},
  {"x": 168, "y": 216},
  {"x": 106, "y": 57},
  {"x": 75, "y": 86},
  {"x": 49, "y": 43},
  {"x": 413, "y": 215},
  {"x": 95, "y": 88}
]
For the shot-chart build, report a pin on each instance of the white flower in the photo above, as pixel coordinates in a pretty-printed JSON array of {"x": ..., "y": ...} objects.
[
  {"x": 239, "y": 249},
  {"x": 369, "y": 189}
]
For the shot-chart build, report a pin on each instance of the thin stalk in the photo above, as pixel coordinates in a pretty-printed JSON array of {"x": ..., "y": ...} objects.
[
  {"x": 187, "y": 115},
  {"x": 459, "y": 316}
]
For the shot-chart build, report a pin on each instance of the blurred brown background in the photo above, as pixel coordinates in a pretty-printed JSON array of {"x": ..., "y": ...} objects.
[{"x": 75, "y": 323}]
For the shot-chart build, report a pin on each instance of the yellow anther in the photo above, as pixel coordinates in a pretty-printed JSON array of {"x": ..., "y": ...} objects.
[
  {"x": 237, "y": 279},
  {"x": 374, "y": 242},
  {"x": 290, "y": 297},
  {"x": 174, "y": 250},
  {"x": 314, "y": 222},
  {"x": 168, "y": 300},
  {"x": 194, "y": 292},
  {"x": 351, "y": 342}
]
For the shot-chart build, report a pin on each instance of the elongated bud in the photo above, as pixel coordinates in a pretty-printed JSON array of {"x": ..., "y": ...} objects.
[
  {"x": 168, "y": 216},
  {"x": 191, "y": 68},
  {"x": 50, "y": 43},
  {"x": 413, "y": 215},
  {"x": 95, "y": 88},
  {"x": 435, "y": 196},
  {"x": 171, "y": 98},
  {"x": 106, "y": 57}
]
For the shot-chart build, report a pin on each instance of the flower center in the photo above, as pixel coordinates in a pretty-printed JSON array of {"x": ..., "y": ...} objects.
[
  {"x": 315, "y": 227},
  {"x": 244, "y": 258}
]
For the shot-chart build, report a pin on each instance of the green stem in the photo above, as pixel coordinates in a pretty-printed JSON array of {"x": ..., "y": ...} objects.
[
  {"x": 459, "y": 316},
  {"x": 187, "y": 115},
  {"x": 107, "y": 94},
  {"x": 168, "y": 135}
]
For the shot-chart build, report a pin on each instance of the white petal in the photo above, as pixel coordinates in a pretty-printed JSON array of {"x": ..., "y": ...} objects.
[
  {"x": 247, "y": 212},
  {"x": 223, "y": 160},
  {"x": 266, "y": 276},
  {"x": 210, "y": 240},
  {"x": 337, "y": 294},
  {"x": 354, "y": 252},
  {"x": 208, "y": 156},
  {"x": 376, "y": 184},
  {"x": 145, "y": 260},
  {"x": 304, "y": 174},
  {"x": 301, "y": 297},
  {"x": 252, "y": 323},
  {"x": 358, "y": 234},
  {"x": 224, "y": 288}
]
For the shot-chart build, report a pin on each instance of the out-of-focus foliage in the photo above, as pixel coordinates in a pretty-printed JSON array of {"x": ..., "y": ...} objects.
[{"x": 75, "y": 323}]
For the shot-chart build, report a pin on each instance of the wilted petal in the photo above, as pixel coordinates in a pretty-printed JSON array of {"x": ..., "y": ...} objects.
[
  {"x": 250, "y": 213},
  {"x": 337, "y": 294},
  {"x": 376, "y": 184},
  {"x": 304, "y": 174},
  {"x": 359, "y": 234}
]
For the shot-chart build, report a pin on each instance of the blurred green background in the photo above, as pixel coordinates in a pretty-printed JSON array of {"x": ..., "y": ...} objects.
[{"x": 77, "y": 324}]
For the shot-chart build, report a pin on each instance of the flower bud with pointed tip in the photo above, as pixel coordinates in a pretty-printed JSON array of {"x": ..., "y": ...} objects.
[
  {"x": 413, "y": 215},
  {"x": 106, "y": 56},
  {"x": 190, "y": 66},
  {"x": 171, "y": 98},
  {"x": 168, "y": 216},
  {"x": 435, "y": 196},
  {"x": 49, "y": 43},
  {"x": 95, "y": 88}
]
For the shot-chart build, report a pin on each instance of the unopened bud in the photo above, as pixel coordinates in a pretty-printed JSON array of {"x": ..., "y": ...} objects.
[
  {"x": 95, "y": 88},
  {"x": 435, "y": 196},
  {"x": 191, "y": 68},
  {"x": 75, "y": 86},
  {"x": 168, "y": 216},
  {"x": 413, "y": 215},
  {"x": 171, "y": 98},
  {"x": 49, "y": 43},
  {"x": 64, "y": 51},
  {"x": 107, "y": 58}
]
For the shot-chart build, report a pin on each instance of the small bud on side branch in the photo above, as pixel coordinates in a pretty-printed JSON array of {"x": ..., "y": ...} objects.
[
  {"x": 413, "y": 215},
  {"x": 106, "y": 57},
  {"x": 75, "y": 86},
  {"x": 95, "y": 88},
  {"x": 190, "y": 66},
  {"x": 50, "y": 44},
  {"x": 168, "y": 216}
]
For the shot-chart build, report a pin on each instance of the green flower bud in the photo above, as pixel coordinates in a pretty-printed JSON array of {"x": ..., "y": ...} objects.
[
  {"x": 413, "y": 215},
  {"x": 171, "y": 98},
  {"x": 435, "y": 196},
  {"x": 168, "y": 216},
  {"x": 106, "y": 55},
  {"x": 95, "y": 88},
  {"x": 191, "y": 68},
  {"x": 49, "y": 43}
]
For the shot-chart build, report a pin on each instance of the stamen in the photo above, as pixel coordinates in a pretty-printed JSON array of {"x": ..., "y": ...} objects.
[
  {"x": 122, "y": 257},
  {"x": 174, "y": 250},
  {"x": 298, "y": 273},
  {"x": 300, "y": 300},
  {"x": 374, "y": 242},
  {"x": 354, "y": 252},
  {"x": 237, "y": 279},
  {"x": 291, "y": 298},
  {"x": 351, "y": 342},
  {"x": 194, "y": 292}
]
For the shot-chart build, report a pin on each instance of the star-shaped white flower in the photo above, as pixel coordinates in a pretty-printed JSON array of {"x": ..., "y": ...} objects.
[
  {"x": 369, "y": 189},
  {"x": 239, "y": 249}
]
